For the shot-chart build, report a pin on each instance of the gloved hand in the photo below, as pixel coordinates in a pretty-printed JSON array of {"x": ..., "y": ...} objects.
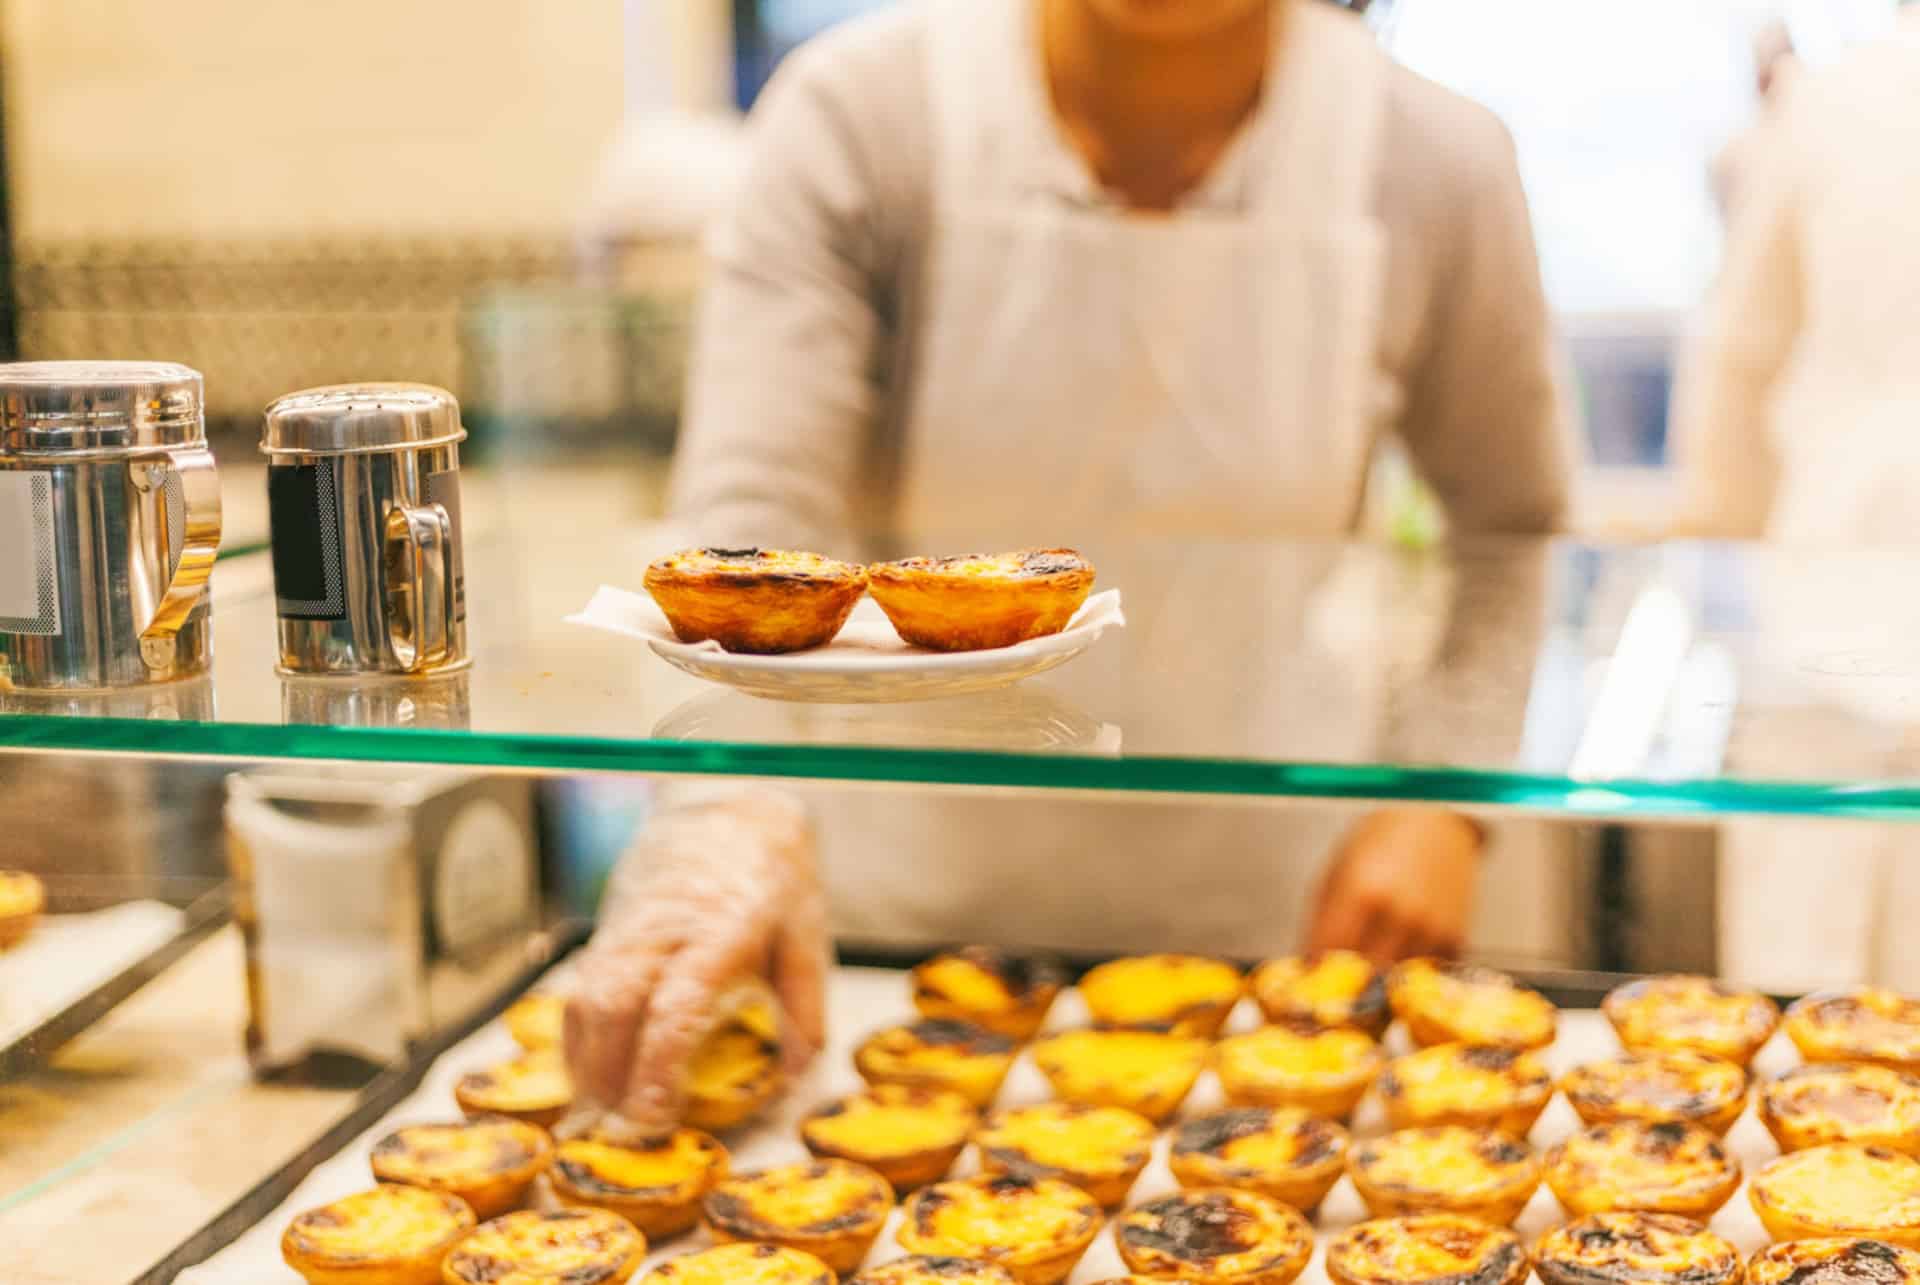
[
  {"x": 713, "y": 896},
  {"x": 1401, "y": 884}
]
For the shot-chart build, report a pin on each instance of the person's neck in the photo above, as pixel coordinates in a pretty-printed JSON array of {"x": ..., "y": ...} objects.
[{"x": 1151, "y": 117}]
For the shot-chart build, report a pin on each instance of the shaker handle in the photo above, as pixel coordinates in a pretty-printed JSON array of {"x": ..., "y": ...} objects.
[
  {"x": 199, "y": 546},
  {"x": 419, "y": 552}
]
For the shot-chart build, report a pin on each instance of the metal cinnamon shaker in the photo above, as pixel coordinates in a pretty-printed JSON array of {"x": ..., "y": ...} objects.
[{"x": 363, "y": 489}]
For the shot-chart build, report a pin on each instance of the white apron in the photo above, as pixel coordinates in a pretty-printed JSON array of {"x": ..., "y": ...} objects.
[
  {"x": 1200, "y": 374},
  {"x": 1086, "y": 372}
]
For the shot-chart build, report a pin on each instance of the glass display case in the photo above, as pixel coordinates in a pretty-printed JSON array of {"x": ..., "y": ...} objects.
[{"x": 1602, "y": 711}]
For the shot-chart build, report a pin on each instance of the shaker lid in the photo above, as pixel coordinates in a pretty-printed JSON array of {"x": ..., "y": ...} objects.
[
  {"x": 99, "y": 405},
  {"x": 353, "y": 419}
]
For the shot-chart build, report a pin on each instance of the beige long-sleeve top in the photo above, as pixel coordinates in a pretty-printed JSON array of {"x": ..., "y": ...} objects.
[
  {"x": 1795, "y": 410},
  {"x": 807, "y": 341}
]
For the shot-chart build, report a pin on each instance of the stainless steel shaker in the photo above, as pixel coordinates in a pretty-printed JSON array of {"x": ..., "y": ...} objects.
[
  {"x": 109, "y": 525},
  {"x": 363, "y": 491}
]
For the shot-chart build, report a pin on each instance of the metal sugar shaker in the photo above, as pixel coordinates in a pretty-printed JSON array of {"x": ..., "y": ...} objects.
[
  {"x": 363, "y": 490},
  {"x": 109, "y": 525}
]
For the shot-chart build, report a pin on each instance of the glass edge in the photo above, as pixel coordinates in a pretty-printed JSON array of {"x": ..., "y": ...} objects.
[{"x": 1218, "y": 777}]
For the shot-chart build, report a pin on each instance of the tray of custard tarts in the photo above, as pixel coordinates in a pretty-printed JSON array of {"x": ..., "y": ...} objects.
[
  {"x": 799, "y": 626},
  {"x": 982, "y": 1118}
]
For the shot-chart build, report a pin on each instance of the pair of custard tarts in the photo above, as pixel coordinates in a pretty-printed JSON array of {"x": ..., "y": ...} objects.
[
  {"x": 772, "y": 601},
  {"x": 771, "y": 1265},
  {"x": 402, "y": 1235}
]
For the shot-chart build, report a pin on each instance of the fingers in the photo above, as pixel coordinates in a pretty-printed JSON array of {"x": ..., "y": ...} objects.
[
  {"x": 683, "y": 1011},
  {"x": 604, "y": 1018},
  {"x": 802, "y": 957}
]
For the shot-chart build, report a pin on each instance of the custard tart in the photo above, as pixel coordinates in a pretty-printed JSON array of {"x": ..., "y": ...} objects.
[
  {"x": 1340, "y": 988},
  {"x": 1656, "y": 1088},
  {"x": 758, "y": 601},
  {"x": 954, "y": 1056},
  {"x": 1842, "y": 1189},
  {"x": 22, "y": 899},
  {"x": 981, "y": 601},
  {"x": 487, "y": 1163},
  {"x": 1326, "y": 1072},
  {"x": 537, "y": 1021},
  {"x": 1624, "y": 1248},
  {"x": 1426, "y": 1249},
  {"x": 1443, "y": 1002},
  {"x": 735, "y": 1072},
  {"x": 1279, "y": 1152},
  {"x": 1867, "y": 1024},
  {"x": 1220, "y": 1235},
  {"x": 1679, "y": 1014},
  {"x": 1006, "y": 994},
  {"x": 1838, "y": 1260},
  {"x": 656, "y": 1185},
  {"x": 1482, "y": 1086},
  {"x": 533, "y": 1087},
  {"x": 564, "y": 1247},
  {"x": 391, "y": 1235},
  {"x": 1036, "y": 1228},
  {"x": 924, "y": 1269},
  {"x": 742, "y": 1265},
  {"x": 1446, "y": 1169},
  {"x": 1184, "y": 994},
  {"x": 1824, "y": 1102},
  {"x": 1100, "y": 1150},
  {"x": 1146, "y": 1072},
  {"x": 832, "y": 1209},
  {"x": 1653, "y": 1168},
  {"x": 910, "y": 1136}
]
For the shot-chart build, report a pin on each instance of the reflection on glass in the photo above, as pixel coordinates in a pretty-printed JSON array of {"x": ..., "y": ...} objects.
[
  {"x": 189, "y": 700},
  {"x": 443, "y": 703},
  {"x": 1027, "y": 718}
]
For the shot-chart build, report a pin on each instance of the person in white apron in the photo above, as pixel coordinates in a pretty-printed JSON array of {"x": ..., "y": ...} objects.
[
  {"x": 1794, "y": 420},
  {"x": 1039, "y": 271}
]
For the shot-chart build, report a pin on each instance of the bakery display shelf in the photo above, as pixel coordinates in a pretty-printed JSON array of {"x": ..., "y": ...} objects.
[
  {"x": 1682, "y": 682},
  {"x": 242, "y": 1247},
  {"x": 78, "y": 967},
  {"x": 374, "y": 1103}
]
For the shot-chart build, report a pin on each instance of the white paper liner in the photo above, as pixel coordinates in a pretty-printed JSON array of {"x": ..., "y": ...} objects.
[
  {"x": 67, "y": 957},
  {"x": 861, "y": 1000}
]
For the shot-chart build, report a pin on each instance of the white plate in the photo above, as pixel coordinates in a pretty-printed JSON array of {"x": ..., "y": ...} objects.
[{"x": 866, "y": 664}]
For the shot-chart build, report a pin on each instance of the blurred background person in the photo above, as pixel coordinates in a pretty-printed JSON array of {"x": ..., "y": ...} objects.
[
  {"x": 1795, "y": 421},
  {"x": 1017, "y": 270}
]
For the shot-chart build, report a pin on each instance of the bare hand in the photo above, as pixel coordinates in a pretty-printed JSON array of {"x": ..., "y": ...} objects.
[{"x": 1401, "y": 885}]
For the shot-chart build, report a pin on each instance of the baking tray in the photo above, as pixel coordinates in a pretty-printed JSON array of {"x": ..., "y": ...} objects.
[
  {"x": 153, "y": 937},
  {"x": 861, "y": 999}
]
